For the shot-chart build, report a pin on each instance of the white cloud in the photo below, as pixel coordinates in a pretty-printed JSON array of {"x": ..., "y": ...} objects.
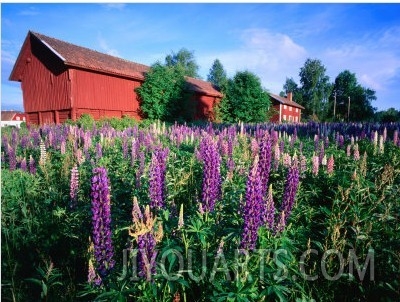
[
  {"x": 375, "y": 60},
  {"x": 118, "y": 6},
  {"x": 271, "y": 56},
  {"x": 7, "y": 57},
  {"x": 106, "y": 48},
  {"x": 31, "y": 11}
]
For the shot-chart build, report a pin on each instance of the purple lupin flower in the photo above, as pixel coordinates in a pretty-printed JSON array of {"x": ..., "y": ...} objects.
[
  {"x": 157, "y": 178},
  {"x": 316, "y": 142},
  {"x": 74, "y": 186},
  {"x": 32, "y": 165},
  {"x": 12, "y": 159},
  {"x": 269, "y": 209},
  {"x": 321, "y": 152},
  {"x": 134, "y": 151},
  {"x": 23, "y": 165},
  {"x": 147, "y": 255},
  {"x": 25, "y": 142},
  {"x": 101, "y": 222},
  {"x": 99, "y": 151},
  {"x": 252, "y": 209},
  {"x": 147, "y": 234},
  {"x": 281, "y": 146},
  {"x": 341, "y": 141},
  {"x": 326, "y": 142},
  {"x": 265, "y": 154},
  {"x": 291, "y": 186},
  {"x": 211, "y": 186}
]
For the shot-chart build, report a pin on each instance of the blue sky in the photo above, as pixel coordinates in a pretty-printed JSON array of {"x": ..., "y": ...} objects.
[{"x": 271, "y": 40}]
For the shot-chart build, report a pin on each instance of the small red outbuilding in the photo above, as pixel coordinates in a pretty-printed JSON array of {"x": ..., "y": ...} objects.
[{"x": 61, "y": 81}]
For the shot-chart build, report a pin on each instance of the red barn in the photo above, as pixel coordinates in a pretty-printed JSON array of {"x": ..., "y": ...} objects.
[
  {"x": 287, "y": 109},
  {"x": 61, "y": 81}
]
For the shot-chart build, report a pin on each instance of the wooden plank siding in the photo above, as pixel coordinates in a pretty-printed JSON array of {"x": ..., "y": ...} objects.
[
  {"x": 103, "y": 92},
  {"x": 204, "y": 106},
  {"x": 47, "y": 91}
]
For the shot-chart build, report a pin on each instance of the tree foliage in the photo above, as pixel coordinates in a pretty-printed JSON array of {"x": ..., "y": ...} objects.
[
  {"x": 291, "y": 86},
  {"x": 315, "y": 87},
  {"x": 162, "y": 93},
  {"x": 246, "y": 100},
  {"x": 217, "y": 75},
  {"x": 388, "y": 116},
  {"x": 345, "y": 87},
  {"x": 185, "y": 60}
]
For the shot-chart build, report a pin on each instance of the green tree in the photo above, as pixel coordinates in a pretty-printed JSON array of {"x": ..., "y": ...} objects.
[
  {"x": 347, "y": 89},
  {"x": 388, "y": 116},
  {"x": 162, "y": 93},
  {"x": 315, "y": 87},
  {"x": 246, "y": 100},
  {"x": 185, "y": 60},
  {"x": 291, "y": 86},
  {"x": 217, "y": 76}
]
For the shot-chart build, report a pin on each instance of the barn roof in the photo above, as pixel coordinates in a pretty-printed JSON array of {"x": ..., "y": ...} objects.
[
  {"x": 85, "y": 58},
  {"x": 285, "y": 101}
]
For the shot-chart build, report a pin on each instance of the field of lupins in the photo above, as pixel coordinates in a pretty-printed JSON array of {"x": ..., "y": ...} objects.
[{"x": 155, "y": 212}]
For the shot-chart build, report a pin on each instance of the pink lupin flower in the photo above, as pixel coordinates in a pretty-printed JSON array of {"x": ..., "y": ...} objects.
[
  {"x": 180, "y": 220},
  {"x": 330, "y": 165},
  {"x": 348, "y": 151},
  {"x": 303, "y": 163},
  {"x": 74, "y": 185},
  {"x": 270, "y": 209},
  {"x": 315, "y": 161},
  {"x": 356, "y": 153}
]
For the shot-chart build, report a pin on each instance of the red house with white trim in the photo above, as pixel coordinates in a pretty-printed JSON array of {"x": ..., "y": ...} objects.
[
  {"x": 12, "y": 118},
  {"x": 61, "y": 81},
  {"x": 288, "y": 110}
]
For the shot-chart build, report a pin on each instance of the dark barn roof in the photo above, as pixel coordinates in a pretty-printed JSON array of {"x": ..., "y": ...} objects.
[
  {"x": 85, "y": 58},
  {"x": 285, "y": 101}
]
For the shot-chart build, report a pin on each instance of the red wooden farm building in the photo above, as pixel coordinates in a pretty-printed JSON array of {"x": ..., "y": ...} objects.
[
  {"x": 287, "y": 109},
  {"x": 61, "y": 81}
]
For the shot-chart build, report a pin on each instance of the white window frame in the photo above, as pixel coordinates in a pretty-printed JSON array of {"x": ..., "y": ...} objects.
[
  {"x": 290, "y": 108},
  {"x": 284, "y": 106},
  {"x": 284, "y": 117}
]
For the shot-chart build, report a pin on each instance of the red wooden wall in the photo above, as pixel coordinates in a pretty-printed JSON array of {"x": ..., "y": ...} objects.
[
  {"x": 44, "y": 87},
  {"x": 289, "y": 114},
  {"x": 103, "y": 94},
  {"x": 204, "y": 106}
]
